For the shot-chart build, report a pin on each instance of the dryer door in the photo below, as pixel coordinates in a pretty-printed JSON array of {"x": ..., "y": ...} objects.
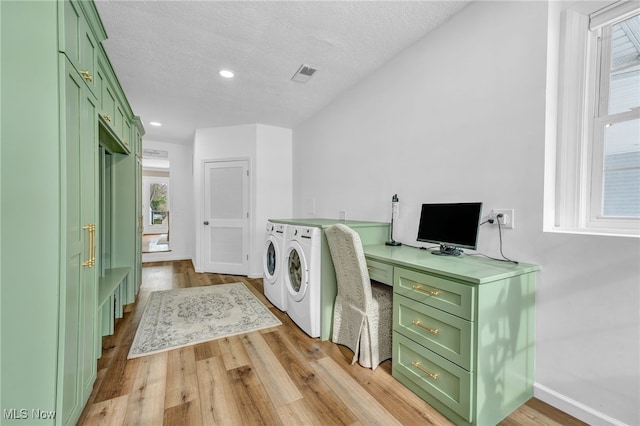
[
  {"x": 297, "y": 275},
  {"x": 271, "y": 260}
]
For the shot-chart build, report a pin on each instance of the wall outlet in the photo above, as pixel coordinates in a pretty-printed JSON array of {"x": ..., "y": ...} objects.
[
  {"x": 343, "y": 215},
  {"x": 507, "y": 219}
]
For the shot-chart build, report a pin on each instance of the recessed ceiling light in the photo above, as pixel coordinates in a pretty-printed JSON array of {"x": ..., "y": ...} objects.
[
  {"x": 155, "y": 123},
  {"x": 226, "y": 73}
]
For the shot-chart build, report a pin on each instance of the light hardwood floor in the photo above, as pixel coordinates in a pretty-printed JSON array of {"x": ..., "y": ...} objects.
[{"x": 276, "y": 376}]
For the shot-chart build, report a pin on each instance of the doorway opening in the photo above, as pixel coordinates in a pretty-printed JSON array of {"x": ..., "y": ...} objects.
[{"x": 156, "y": 212}]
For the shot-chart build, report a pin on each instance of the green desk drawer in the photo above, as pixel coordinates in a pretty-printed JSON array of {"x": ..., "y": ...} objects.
[
  {"x": 443, "y": 333},
  {"x": 381, "y": 272},
  {"x": 443, "y": 380},
  {"x": 443, "y": 294}
]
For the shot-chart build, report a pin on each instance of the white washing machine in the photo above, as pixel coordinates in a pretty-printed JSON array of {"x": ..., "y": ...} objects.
[
  {"x": 273, "y": 263},
  {"x": 302, "y": 277}
]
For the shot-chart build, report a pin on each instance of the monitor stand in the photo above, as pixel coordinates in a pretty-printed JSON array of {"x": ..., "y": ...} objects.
[{"x": 447, "y": 251}]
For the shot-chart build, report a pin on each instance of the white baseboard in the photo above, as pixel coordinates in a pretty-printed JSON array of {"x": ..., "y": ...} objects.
[
  {"x": 163, "y": 257},
  {"x": 168, "y": 256},
  {"x": 574, "y": 408}
]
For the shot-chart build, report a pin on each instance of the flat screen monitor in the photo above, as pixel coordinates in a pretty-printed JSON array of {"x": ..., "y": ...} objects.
[{"x": 451, "y": 225}]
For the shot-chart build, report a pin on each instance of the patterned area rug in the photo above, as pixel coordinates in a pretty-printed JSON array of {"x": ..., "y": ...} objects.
[{"x": 186, "y": 316}]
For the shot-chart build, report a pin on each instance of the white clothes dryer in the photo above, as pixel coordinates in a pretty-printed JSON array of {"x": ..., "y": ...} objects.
[
  {"x": 274, "y": 265},
  {"x": 302, "y": 277}
]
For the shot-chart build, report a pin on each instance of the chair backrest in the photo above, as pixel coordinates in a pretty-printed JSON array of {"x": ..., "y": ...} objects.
[{"x": 352, "y": 276}]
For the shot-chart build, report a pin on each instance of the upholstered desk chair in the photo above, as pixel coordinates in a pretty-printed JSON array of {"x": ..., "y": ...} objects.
[{"x": 362, "y": 319}]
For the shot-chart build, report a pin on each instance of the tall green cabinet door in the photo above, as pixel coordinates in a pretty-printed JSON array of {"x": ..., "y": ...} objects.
[
  {"x": 138, "y": 131},
  {"x": 79, "y": 43},
  {"x": 78, "y": 298}
]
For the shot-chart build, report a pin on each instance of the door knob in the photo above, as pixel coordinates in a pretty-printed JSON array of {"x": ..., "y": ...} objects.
[{"x": 206, "y": 222}]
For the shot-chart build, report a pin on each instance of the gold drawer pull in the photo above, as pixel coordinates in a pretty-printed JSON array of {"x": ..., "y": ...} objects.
[
  {"x": 92, "y": 249},
  {"x": 417, "y": 365},
  {"x": 425, "y": 290},
  {"x": 87, "y": 76},
  {"x": 430, "y": 330},
  {"x": 126, "y": 143},
  {"x": 93, "y": 244},
  {"x": 107, "y": 117}
]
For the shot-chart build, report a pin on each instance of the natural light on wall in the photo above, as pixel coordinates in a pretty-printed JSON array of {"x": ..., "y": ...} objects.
[{"x": 595, "y": 181}]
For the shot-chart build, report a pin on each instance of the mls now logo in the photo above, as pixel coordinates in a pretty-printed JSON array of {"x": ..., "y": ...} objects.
[{"x": 23, "y": 413}]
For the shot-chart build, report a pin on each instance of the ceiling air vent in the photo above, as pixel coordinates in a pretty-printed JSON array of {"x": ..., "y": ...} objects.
[{"x": 303, "y": 74}]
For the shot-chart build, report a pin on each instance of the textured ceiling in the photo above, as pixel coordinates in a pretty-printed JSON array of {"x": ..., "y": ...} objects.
[{"x": 167, "y": 55}]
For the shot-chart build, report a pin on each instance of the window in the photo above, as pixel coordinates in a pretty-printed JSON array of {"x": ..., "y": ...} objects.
[{"x": 598, "y": 158}]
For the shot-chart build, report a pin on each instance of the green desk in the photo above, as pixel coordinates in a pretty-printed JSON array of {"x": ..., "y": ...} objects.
[{"x": 463, "y": 330}]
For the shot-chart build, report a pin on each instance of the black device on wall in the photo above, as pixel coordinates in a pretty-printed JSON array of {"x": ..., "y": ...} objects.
[
  {"x": 394, "y": 215},
  {"x": 451, "y": 225}
]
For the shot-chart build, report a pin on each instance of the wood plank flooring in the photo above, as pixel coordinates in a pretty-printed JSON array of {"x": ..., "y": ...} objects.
[{"x": 276, "y": 376}]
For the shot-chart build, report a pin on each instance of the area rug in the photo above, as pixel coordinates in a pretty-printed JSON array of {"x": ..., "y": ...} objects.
[{"x": 186, "y": 316}]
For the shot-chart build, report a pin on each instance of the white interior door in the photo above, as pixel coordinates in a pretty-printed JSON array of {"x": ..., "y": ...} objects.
[{"x": 226, "y": 217}]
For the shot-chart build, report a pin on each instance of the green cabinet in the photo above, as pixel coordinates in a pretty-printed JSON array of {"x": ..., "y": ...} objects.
[
  {"x": 107, "y": 97},
  {"x": 440, "y": 292},
  {"x": 30, "y": 258},
  {"x": 434, "y": 379},
  {"x": 113, "y": 113},
  {"x": 78, "y": 304},
  {"x": 123, "y": 227},
  {"x": 126, "y": 133},
  {"x": 463, "y": 330},
  {"x": 51, "y": 131},
  {"x": 78, "y": 42},
  {"x": 108, "y": 104},
  {"x": 445, "y": 334},
  {"x": 380, "y": 271}
]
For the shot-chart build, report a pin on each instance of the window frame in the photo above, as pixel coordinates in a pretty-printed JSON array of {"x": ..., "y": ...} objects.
[{"x": 582, "y": 115}]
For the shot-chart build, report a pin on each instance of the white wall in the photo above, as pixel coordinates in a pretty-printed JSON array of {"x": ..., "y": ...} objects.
[
  {"x": 268, "y": 150},
  {"x": 460, "y": 116},
  {"x": 274, "y": 183},
  {"x": 181, "y": 202}
]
